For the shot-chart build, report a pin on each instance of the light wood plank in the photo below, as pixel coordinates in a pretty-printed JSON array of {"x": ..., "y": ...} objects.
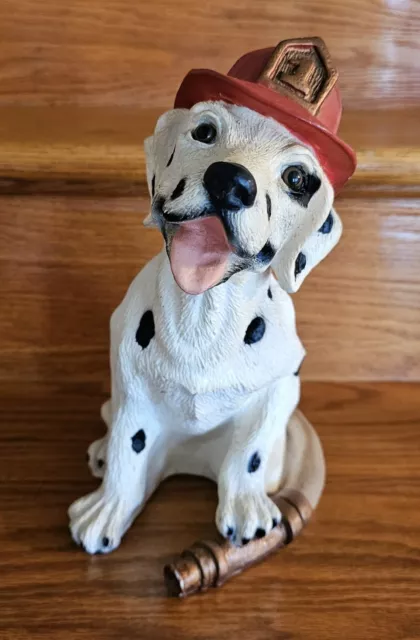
[
  {"x": 128, "y": 52},
  {"x": 66, "y": 262},
  {"x": 359, "y": 312}
]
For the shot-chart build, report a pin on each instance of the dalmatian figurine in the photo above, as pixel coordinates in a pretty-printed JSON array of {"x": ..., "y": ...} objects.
[{"x": 205, "y": 356}]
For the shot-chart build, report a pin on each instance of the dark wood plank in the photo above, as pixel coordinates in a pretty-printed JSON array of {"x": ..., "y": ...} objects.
[
  {"x": 99, "y": 150},
  {"x": 352, "y": 574}
]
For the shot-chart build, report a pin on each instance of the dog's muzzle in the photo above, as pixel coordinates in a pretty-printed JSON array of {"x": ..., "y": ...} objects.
[
  {"x": 230, "y": 186},
  {"x": 201, "y": 244}
]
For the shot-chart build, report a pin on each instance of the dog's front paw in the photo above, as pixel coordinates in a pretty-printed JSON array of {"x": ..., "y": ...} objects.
[
  {"x": 96, "y": 457},
  {"x": 246, "y": 515},
  {"x": 98, "y": 522}
]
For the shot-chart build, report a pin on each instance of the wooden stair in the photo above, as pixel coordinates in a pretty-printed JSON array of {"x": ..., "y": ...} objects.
[
  {"x": 100, "y": 150},
  {"x": 72, "y": 196}
]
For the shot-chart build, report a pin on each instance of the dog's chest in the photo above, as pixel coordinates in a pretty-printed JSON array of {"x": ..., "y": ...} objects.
[
  {"x": 209, "y": 381},
  {"x": 198, "y": 413},
  {"x": 199, "y": 362}
]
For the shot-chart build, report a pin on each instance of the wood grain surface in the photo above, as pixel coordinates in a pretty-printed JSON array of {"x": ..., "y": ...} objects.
[
  {"x": 130, "y": 52},
  {"x": 66, "y": 262},
  {"x": 99, "y": 150},
  {"x": 352, "y": 574},
  {"x": 81, "y": 85}
]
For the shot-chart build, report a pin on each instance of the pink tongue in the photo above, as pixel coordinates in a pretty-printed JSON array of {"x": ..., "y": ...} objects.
[{"x": 199, "y": 254}]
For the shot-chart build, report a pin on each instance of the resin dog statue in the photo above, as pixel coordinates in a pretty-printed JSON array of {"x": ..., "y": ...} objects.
[{"x": 204, "y": 351}]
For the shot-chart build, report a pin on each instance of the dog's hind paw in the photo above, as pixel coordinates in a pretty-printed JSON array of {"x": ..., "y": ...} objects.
[
  {"x": 97, "y": 522},
  {"x": 246, "y": 515},
  {"x": 96, "y": 457}
]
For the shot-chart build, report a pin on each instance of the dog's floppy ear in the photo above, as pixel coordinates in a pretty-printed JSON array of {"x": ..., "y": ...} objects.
[
  {"x": 305, "y": 248},
  {"x": 160, "y": 147}
]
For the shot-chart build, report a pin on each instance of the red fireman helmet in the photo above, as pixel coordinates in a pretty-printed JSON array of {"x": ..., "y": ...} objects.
[{"x": 294, "y": 83}]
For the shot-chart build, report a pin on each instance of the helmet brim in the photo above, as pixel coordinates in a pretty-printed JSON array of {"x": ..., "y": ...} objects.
[{"x": 335, "y": 156}]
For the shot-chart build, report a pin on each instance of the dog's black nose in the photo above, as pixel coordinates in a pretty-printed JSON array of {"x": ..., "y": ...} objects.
[{"x": 230, "y": 186}]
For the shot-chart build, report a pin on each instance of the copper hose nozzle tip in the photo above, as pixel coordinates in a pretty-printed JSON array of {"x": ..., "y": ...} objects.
[
  {"x": 173, "y": 581},
  {"x": 183, "y": 577}
]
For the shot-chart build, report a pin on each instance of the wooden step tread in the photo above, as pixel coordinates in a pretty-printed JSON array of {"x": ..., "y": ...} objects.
[
  {"x": 352, "y": 574},
  {"x": 100, "y": 149},
  {"x": 66, "y": 263}
]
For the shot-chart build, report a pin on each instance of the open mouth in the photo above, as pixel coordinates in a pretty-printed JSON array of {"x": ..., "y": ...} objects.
[
  {"x": 175, "y": 217},
  {"x": 199, "y": 253}
]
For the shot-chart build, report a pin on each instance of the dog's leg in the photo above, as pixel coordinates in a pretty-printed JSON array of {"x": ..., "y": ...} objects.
[
  {"x": 99, "y": 520},
  {"x": 245, "y": 511},
  {"x": 96, "y": 453}
]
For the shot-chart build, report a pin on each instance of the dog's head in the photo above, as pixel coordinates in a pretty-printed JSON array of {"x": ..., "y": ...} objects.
[{"x": 234, "y": 190}]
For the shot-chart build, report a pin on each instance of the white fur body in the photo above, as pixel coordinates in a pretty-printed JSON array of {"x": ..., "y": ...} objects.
[{"x": 204, "y": 399}]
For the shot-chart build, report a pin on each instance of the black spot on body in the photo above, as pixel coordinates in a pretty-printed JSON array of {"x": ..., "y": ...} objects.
[
  {"x": 255, "y": 331},
  {"x": 230, "y": 532},
  {"x": 179, "y": 189},
  {"x": 269, "y": 293},
  {"x": 105, "y": 541},
  {"x": 328, "y": 224},
  {"x": 296, "y": 373},
  {"x": 300, "y": 263},
  {"x": 171, "y": 158},
  {"x": 311, "y": 186},
  {"x": 138, "y": 441},
  {"x": 100, "y": 463},
  {"x": 268, "y": 199},
  {"x": 146, "y": 329},
  {"x": 266, "y": 254},
  {"x": 260, "y": 533},
  {"x": 153, "y": 185},
  {"x": 245, "y": 541},
  {"x": 254, "y": 462}
]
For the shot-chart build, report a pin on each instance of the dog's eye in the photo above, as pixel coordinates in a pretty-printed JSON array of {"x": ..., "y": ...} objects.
[
  {"x": 205, "y": 132},
  {"x": 295, "y": 178}
]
